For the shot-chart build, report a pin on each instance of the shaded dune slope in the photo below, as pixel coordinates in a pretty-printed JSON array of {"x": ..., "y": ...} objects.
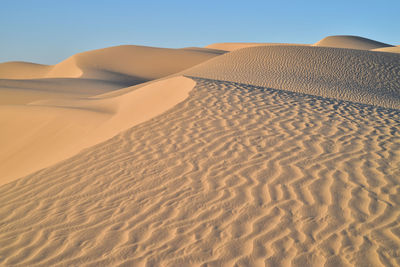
[
  {"x": 355, "y": 75},
  {"x": 234, "y": 175}
]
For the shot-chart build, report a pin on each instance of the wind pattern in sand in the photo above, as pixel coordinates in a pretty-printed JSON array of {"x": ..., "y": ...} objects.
[{"x": 235, "y": 174}]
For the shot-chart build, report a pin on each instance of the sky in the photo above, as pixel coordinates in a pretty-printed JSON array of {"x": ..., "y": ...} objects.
[{"x": 49, "y": 31}]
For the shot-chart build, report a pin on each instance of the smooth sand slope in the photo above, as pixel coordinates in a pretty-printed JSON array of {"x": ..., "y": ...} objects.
[
  {"x": 355, "y": 75},
  {"x": 252, "y": 158},
  {"x": 42, "y": 133}
]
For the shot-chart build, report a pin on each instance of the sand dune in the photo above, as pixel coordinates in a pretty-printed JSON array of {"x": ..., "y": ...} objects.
[
  {"x": 136, "y": 64},
  {"x": 127, "y": 63},
  {"x": 23, "y": 70},
  {"x": 64, "y": 108},
  {"x": 352, "y": 42},
  {"x": 360, "y": 76},
  {"x": 44, "y": 132},
  {"x": 236, "y": 174},
  {"x": 269, "y": 155}
]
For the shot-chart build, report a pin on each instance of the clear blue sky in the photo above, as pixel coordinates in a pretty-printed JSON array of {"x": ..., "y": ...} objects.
[{"x": 48, "y": 31}]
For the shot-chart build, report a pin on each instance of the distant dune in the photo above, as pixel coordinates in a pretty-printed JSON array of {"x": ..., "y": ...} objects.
[
  {"x": 23, "y": 70},
  {"x": 237, "y": 154},
  {"x": 339, "y": 41},
  {"x": 352, "y": 42}
]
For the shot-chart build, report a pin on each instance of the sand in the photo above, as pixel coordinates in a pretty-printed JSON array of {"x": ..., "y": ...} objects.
[
  {"x": 64, "y": 108},
  {"x": 338, "y": 41},
  {"x": 393, "y": 49},
  {"x": 126, "y": 63},
  {"x": 236, "y": 46},
  {"x": 351, "y": 42},
  {"x": 366, "y": 77},
  {"x": 48, "y": 131},
  {"x": 246, "y": 159}
]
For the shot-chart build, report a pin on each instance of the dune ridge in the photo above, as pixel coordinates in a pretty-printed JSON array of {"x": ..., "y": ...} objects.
[
  {"x": 355, "y": 75},
  {"x": 234, "y": 175}
]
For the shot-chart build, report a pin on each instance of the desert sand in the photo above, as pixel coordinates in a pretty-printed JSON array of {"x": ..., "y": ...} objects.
[{"x": 241, "y": 154}]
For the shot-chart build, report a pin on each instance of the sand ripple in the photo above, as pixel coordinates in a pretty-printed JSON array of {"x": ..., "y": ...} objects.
[
  {"x": 359, "y": 76},
  {"x": 236, "y": 174}
]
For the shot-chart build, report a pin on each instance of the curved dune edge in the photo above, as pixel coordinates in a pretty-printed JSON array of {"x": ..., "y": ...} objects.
[
  {"x": 40, "y": 134},
  {"x": 346, "y": 74},
  {"x": 126, "y": 63}
]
